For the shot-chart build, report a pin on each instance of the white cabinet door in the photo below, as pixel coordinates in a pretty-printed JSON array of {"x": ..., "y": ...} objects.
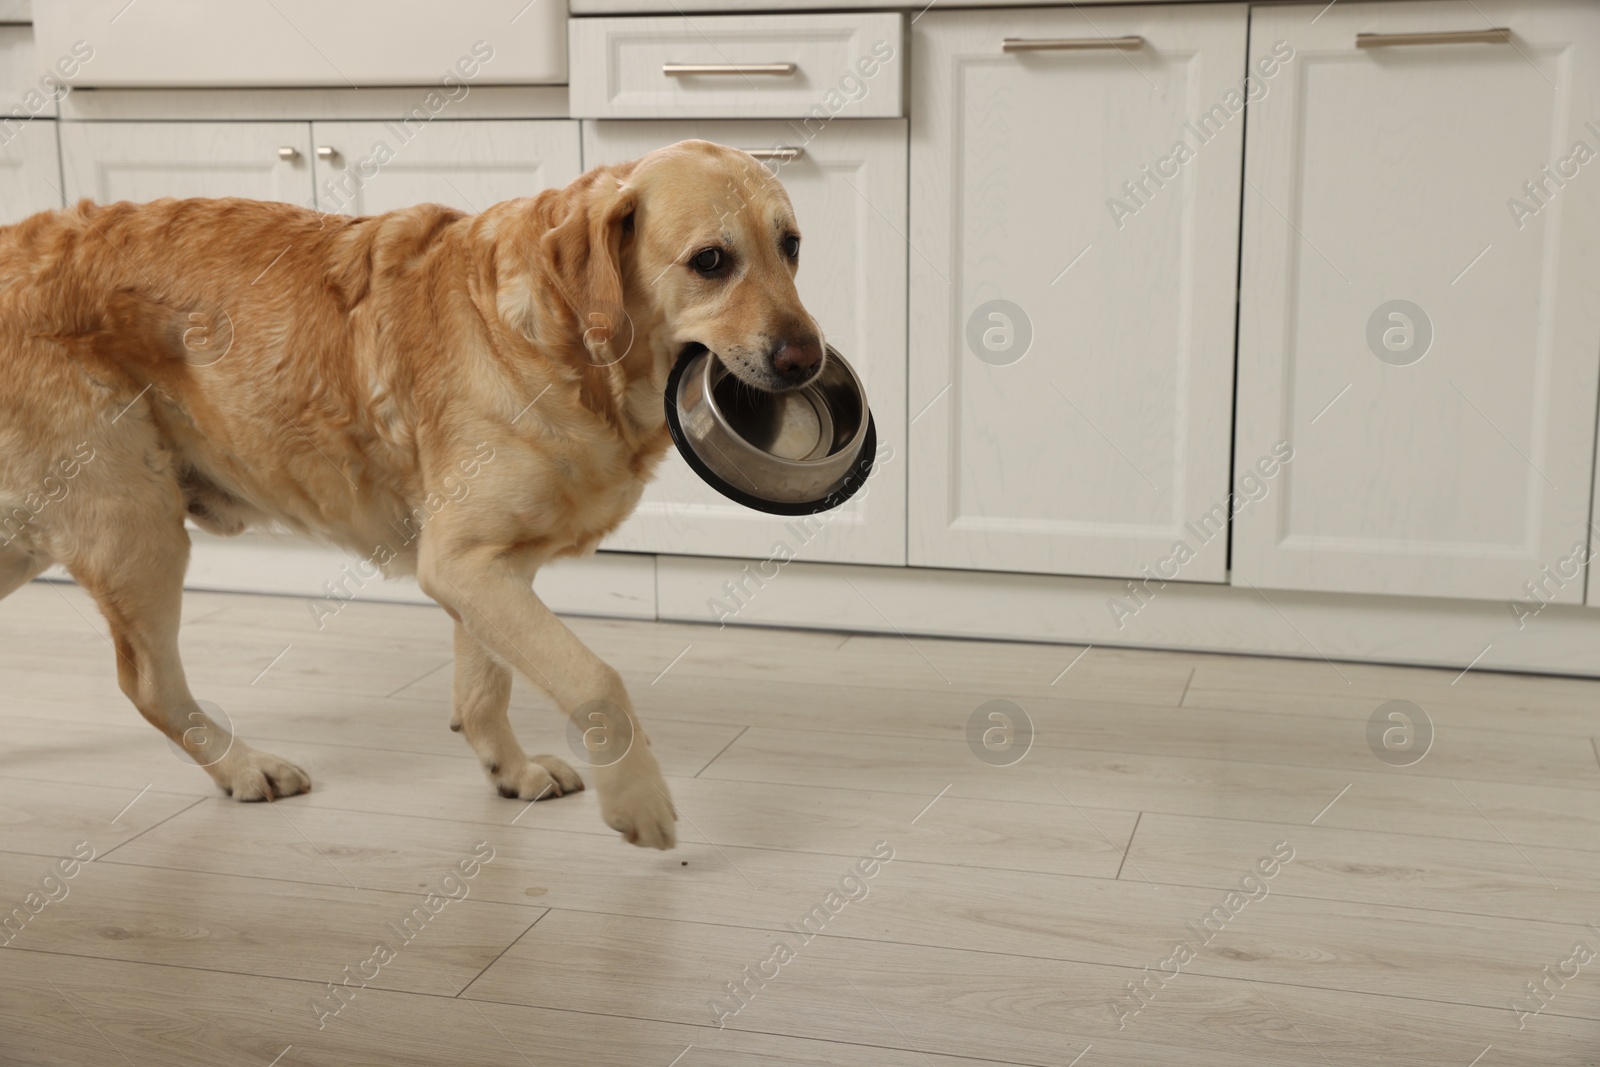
[
  {"x": 30, "y": 170},
  {"x": 849, "y": 193},
  {"x": 1074, "y": 226},
  {"x": 1420, "y": 299},
  {"x": 108, "y": 161},
  {"x": 380, "y": 166}
]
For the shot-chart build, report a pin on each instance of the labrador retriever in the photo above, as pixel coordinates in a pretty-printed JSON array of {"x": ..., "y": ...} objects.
[{"x": 246, "y": 364}]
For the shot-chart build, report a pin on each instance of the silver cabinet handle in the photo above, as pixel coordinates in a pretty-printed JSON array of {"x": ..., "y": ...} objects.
[
  {"x": 288, "y": 153},
  {"x": 1500, "y": 35},
  {"x": 679, "y": 70},
  {"x": 1069, "y": 44},
  {"x": 779, "y": 152},
  {"x": 327, "y": 152}
]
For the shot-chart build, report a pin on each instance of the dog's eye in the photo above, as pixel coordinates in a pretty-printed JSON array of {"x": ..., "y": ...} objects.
[
  {"x": 708, "y": 261},
  {"x": 791, "y": 246}
]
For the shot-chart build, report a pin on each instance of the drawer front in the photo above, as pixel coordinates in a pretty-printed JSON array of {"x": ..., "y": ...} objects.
[
  {"x": 814, "y": 67},
  {"x": 268, "y": 43}
]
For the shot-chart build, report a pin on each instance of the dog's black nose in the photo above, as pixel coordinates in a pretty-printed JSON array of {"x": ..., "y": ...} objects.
[{"x": 796, "y": 360}]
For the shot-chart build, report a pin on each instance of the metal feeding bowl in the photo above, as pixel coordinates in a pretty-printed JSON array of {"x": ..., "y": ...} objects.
[{"x": 791, "y": 453}]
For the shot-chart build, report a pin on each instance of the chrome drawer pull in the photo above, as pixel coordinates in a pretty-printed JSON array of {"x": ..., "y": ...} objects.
[
  {"x": 1386, "y": 40},
  {"x": 679, "y": 70},
  {"x": 1069, "y": 44},
  {"x": 780, "y": 152}
]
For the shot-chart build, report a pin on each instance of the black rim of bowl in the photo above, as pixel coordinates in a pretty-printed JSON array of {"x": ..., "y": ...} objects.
[{"x": 846, "y": 488}]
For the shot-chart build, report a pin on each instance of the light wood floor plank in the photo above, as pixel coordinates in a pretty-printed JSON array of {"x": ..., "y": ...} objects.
[
  {"x": 258, "y": 926},
  {"x": 61, "y": 1011},
  {"x": 963, "y": 1003},
  {"x": 49, "y": 818},
  {"x": 1404, "y": 869},
  {"x": 1476, "y": 699}
]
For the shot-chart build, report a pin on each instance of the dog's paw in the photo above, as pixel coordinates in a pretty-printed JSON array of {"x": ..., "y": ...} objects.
[
  {"x": 539, "y": 778},
  {"x": 253, "y": 775},
  {"x": 634, "y": 802}
]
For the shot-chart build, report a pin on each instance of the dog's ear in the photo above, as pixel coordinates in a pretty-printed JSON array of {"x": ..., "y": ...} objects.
[{"x": 584, "y": 253}]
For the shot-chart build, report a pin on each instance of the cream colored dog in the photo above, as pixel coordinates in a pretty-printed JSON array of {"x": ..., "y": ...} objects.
[{"x": 241, "y": 363}]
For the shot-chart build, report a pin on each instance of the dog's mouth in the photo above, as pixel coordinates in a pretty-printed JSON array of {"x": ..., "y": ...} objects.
[{"x": 755, "y": 381}]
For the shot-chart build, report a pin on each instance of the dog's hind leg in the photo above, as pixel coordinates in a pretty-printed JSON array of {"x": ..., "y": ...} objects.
[
  {"x": 132, "y": 561},
  {"x": 482, "y": 698}
]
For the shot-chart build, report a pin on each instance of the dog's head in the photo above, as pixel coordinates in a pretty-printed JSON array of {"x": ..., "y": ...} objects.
[{"x": 692, "y": 245}]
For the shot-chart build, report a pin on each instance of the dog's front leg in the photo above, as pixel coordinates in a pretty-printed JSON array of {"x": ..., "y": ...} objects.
[
  {"x": 482, "y": 698},
  {"x": 494, "y": 603}
]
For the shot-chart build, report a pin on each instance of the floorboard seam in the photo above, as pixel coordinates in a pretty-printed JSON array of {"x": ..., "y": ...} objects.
[
  {"x": 720, "y": 751},
  {"x": 1128, "y": 848}
]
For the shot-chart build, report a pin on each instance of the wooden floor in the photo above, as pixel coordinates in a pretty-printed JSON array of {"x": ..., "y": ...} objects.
[{"x": 1020, "y": 903}]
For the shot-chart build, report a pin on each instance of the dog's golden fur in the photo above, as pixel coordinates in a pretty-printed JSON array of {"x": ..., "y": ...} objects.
[{"x": 245, "y": 363}]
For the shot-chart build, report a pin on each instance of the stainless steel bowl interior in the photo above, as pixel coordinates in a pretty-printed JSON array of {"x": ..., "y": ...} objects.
[
  {"x": 820, "y": 420},
  {"x": 789, "y": 449}
]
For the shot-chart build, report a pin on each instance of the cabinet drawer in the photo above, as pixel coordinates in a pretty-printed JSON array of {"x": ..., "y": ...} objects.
[{"x": 738, "y": 66}]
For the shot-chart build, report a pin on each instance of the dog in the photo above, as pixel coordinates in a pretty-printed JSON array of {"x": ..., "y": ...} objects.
[{"x": 240, "y": 363}]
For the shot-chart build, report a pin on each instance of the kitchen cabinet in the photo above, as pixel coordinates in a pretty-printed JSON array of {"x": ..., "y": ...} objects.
[
  {"x": 1074, "y": 233},
  {"x": 807, "y": 66},
  {"x": 1420, "y": 298},
  {"x": 366, "y": 168},
  {"x": 848, "y": 188},
  {"x": 30, "y": 165},
  {"x": 352, "y": 168},
  {"x": 109, "y": 161}
]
